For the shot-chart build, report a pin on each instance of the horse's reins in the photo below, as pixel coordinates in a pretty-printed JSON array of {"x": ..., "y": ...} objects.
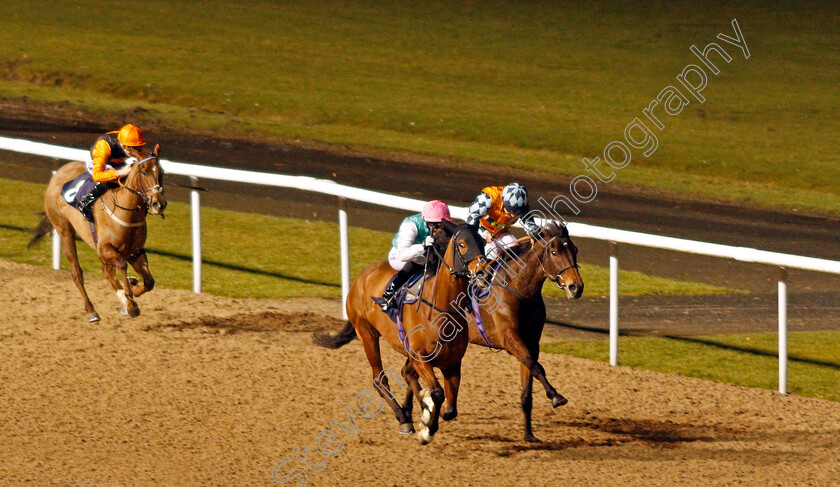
[
  {"x": 557, "y": 274},
  {"x": 556, "y": 279},
  {"x": 467, "y": 274},
  {"x": 145, "y": 197}
]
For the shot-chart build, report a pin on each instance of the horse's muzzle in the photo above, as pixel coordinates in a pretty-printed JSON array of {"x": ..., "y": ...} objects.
[{"x": 157, "y": 205}]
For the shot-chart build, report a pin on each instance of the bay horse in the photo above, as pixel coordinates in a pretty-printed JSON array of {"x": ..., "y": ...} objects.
[
  {"x": 119, "y": 223},
  {"x": 435, "y": 332},
  {"x": 513, "y": 314}
]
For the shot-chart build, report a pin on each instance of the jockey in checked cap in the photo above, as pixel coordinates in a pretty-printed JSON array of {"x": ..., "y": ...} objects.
[
  {"x": 108, "y": 162},
  {"x": 494, "y": 210},
  {"x": 408, "y": 247}
]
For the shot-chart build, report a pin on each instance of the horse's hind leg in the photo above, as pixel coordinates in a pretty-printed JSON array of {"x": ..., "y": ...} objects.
[
  {"x": 370, "y": 340},
  {"x": 141, "y": 265},
  {"x": 111, "y": 260},
  {"x": 430, "y": 401},
  {"x": 68, "y": 245}
]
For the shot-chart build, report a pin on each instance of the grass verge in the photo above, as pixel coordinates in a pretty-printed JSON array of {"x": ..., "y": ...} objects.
[
  {"x": 745, "y": 359},
  {"x": 251, "y": 255}
]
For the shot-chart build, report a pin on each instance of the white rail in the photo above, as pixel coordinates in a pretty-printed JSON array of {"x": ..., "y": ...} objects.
[{"x": 343, "y": 193}]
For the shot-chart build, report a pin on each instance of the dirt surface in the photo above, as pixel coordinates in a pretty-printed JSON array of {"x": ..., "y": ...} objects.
[{"x": 202, "y": 390}]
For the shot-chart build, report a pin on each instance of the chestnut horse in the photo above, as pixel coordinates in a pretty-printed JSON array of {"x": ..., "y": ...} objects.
[
  {"x": 120, "y": 224},
  {"x": 435, "y": 332},
  {"x": 513, "y": 314}
]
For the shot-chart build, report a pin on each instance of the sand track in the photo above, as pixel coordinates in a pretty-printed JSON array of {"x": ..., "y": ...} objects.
[{"x": 203, "y": 390}]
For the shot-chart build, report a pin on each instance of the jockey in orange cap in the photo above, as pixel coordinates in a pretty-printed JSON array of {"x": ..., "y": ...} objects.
[
  {"x": 408, "y": 247},
  {"x": 494, "y": 210},
  {"x": 108, "y": 162}
]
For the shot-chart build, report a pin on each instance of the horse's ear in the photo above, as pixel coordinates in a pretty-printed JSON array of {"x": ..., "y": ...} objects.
[
  {"x": 157, "y": 150},
  {"x": 450, "y": 227}
]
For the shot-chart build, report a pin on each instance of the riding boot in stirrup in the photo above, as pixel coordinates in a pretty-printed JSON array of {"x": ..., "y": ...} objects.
[
  {"x": 388, "y": 296},
  {"x": 86, "y": 202}
]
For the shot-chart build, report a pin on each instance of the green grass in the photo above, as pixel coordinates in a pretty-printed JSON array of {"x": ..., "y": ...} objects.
[
  {"x": 250, "y": 255},
  {"x": 530, "y": 85},
  {"x": 748, "y": 359}
]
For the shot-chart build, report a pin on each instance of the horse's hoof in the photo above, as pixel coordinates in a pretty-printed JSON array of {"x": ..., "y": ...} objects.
[
  {"x": 406, "y": 429},
  {"x": 425, "y": 436},
  {"x": 532, "y": 439},
  {"x": 93, "y": 317},
  {"x": 130, "y": 312},
  {"x": 558, "y": 401},
  {"x": 449, "y": 414}
]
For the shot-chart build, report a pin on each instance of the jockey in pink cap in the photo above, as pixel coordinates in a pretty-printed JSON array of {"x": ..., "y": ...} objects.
[{"x": 408, "y": 247}]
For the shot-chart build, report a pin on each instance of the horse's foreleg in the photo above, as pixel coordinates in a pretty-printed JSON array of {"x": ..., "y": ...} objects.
[
  {"x": 68, "y": 245},
  {"x": 414, "y": 388},
  {"x": 141, "y": 265},
  {"x": 527, "y": 356},
  {"x": 451, "y": 383},
  {"x": 527, "y": 401},
  {"x": 430, "y": 401},
  {"x": 370, "y": 341},
  {"x": 111, "y": 260}
]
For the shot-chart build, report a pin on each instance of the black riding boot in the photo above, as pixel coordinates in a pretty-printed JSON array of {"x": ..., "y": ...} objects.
[
  {"x": 393, "y": 286},
  {"x": 85, "y": 204}
]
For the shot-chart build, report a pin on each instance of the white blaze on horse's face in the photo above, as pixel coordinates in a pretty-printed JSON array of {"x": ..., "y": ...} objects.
[{"x": 150, "y": 178}]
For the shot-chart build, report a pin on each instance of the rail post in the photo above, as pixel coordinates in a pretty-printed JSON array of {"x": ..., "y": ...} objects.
[
  {"x": 345, "y": 254},
  {"x": 56, "y": 247},
  {"x": 783, "y": 352},
  {"x": 613, "y": 303},
  {"x": 195, "y": 207}
]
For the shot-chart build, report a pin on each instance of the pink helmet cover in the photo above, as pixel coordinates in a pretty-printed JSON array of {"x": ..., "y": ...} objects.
[{"x": 434, "y": 211}]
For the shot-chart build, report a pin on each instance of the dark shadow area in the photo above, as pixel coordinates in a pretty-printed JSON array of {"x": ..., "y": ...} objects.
[
  {"x": 264, "y": 321},
  {"x": 701, "y": 341},
  {"x": 600, "y": 331},
  {"x": 241, "y": 268},
  {"x": 16, "y": 228},
  {"x": 651, "y": 431},
  {"x": 188, "y": 258},
  {"x": 754, "y": 351},
  {"x": 621, "y": 431}
]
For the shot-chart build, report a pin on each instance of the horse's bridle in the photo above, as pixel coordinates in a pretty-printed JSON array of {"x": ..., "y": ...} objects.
[
  {"x": 461, "y": 263},
  {"x": 557, "y": 278},
  {"x": 466, "y": 273},
  {"x": 144, "y": 194}
]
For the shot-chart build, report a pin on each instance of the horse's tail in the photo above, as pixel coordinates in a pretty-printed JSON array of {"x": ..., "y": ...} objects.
[
  {"x": 43, "y": 228},
  {"x": 343, "y": 337}
]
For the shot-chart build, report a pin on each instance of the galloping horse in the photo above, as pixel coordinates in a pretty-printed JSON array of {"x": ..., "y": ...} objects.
[
  {"x": 119, "y": 232},
  {"x": 513, "y": 315},
  {"x": 435, "y": 331}
]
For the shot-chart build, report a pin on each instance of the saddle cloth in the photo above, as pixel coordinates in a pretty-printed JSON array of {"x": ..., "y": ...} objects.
[
  {"x": 407, "y": 294},
  {"x": 74, "y": 190}
]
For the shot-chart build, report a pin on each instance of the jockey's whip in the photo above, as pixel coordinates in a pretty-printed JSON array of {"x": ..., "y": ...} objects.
[{"x": 196, "y": 188}]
